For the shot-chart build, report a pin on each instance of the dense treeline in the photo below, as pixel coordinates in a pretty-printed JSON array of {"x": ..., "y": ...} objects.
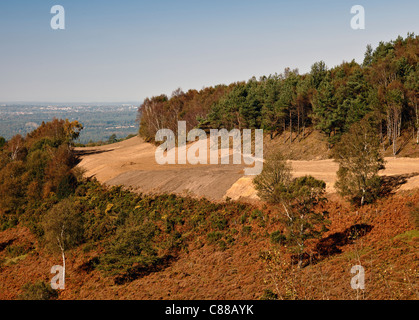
[
  {"x": 330, "y": 100},
  {"x": 160, "y": 112},
  {"x": 37, "y": 167}
]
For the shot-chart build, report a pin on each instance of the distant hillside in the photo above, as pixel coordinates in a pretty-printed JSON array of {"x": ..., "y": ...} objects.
[{"x": 100, "y": 122}]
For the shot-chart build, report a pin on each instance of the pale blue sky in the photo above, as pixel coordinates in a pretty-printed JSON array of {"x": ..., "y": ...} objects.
[{"x": 127, "y": 50}]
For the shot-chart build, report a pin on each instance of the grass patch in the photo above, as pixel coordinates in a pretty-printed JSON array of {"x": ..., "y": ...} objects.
[{"x": 408, "y": 235}]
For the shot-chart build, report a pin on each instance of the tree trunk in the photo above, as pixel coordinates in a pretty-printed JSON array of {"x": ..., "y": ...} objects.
[
  {"x": 298, "y": 123},
  {"x": 389, "y": 125},
  {"x": 399, "y": 127},
  {"x": 63, "y": 256},
  {"x": 417, "y": 121},
  {"x": 285, "y": 139},
  {"x": 290, "y": 127},
  {"x": 395, "y": 123}
]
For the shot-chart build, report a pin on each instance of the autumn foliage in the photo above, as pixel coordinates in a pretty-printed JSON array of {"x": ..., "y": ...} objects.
[
  {"x": 330, "y": 100},
  {"x": 37, "y": 167}
]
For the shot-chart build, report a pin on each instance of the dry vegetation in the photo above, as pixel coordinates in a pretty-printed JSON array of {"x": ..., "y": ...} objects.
[{"x": 244, "y": 269}]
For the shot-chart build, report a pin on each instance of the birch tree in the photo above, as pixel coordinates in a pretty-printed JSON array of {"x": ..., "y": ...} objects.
[
  {"x": 63, "y": 228},
  {"x": 360, "y": 160}
]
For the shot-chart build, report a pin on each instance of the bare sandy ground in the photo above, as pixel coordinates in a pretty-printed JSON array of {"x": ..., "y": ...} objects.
[{"x": 132, "y": 163}]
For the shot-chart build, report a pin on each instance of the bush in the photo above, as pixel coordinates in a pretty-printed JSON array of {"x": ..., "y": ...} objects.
[
  {"x": 246, "y": 230},
  {"x": 38, "y": 291},
  {"x": 277, "y": 237},
  {"x": 269, "y": 295},
  {"x": 131, "y": 246},
  {"x": 2, "y": 142},
  {"x": 275, "y": 176},
  {"x": 18, "y": 250},
  {"x": 214, "y": 236},
  {"x": 359, "y": 158}
]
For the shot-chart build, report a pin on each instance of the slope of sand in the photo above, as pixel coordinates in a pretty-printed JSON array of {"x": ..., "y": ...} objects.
[
  {"x": 326, "y": 171},
  {"x": 132, "y": 163}
]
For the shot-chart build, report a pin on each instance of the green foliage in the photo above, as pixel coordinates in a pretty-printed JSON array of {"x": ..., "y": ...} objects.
[
  {"x": 269, "y": 295},
  {"x": 301, "y": 220},
  {"x": 218, "y": 221},
  {"x": 296, "y": 198},
  {"x": 360, "y": 160},
  {"x": 275, "y": 176},
  {"x": 112, "y": 139},
  {"x": 214, "y": 236},
  {"x": 132, "y": 246},
  {"x": 14, "y": 251},
  {"x": 2, "y": 142},
  {"x": 63, "y": 224},
  {"x": 38, "y": 291},
  {"x": 331, "y": 100},
  {"x": 278, "y": 237}
]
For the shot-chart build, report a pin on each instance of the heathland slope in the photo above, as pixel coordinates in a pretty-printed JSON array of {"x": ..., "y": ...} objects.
[
  {"x": 250, "y": 265},
  {"x": 132, "y": 163}
]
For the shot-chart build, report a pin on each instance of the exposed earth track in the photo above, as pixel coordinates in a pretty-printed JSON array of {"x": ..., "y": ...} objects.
[{"x": 132, "y": 163}]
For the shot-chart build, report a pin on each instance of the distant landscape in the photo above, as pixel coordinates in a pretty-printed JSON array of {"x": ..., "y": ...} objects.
[
  {"x": 100, "y": 121},
  {"x": 338, "y": 191}
]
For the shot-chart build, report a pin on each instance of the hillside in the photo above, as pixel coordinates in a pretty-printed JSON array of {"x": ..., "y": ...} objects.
[
  {"x": 125, "y": 227},
  {"x": 140, "y": 246},
  {"x": 131, "y": 163},
  {"x": 244, "y": 269}
]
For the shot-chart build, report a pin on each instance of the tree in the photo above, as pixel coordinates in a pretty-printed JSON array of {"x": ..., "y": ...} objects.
[
  {"x": 325, "y": 107},
  {"x": 2, "y": 142},
  {"x": 301, "y": 220},
  {"x": 275, "y": 176},
  {"x": 112, "y": 138},
  {"x": 318, "y": 73},
  {"x": 297, "y": 199},
  {"x": 412, "y": 85},
  {"x": 63, "y": 227},
  {"x": 394, "y": 99},
  {"x": 359, "y": 161},
  {"x": 368, "y": 58},
  {"x": 16, "y": 147},
  {"x": 288, "y": 95},
  {"x": 38, "y": 291}
]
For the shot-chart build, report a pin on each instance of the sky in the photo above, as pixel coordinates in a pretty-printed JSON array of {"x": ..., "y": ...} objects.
[{"x": 127, "y": 50}]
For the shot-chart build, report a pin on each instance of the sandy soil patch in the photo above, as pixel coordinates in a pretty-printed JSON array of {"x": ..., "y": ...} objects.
[{"x": 132, "y": 163}]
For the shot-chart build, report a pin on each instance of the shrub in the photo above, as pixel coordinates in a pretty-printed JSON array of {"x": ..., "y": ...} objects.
[
  {"x": 277, "y": 237},
  {"x": 246, "y": 230},
  {"x": 214, "y": 236},
  {"x": 275, "y": 176},
  {"x": 133, "y": 245},
  {"x": 269, "y": 295},
  {"x": 38, "y": 291},
  {"x": 359, "y": 158}
]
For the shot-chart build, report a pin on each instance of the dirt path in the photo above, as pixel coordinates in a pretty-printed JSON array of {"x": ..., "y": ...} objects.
[{"x": 132, "y": 163}]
